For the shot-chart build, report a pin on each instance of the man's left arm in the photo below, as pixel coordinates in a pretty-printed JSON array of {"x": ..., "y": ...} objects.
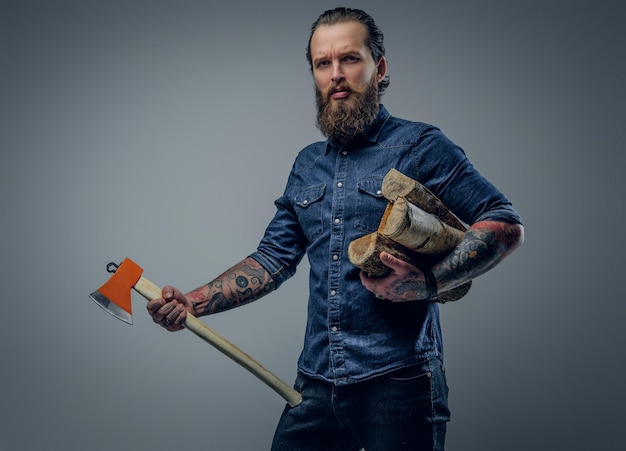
[{"x": 484, "y": 245}]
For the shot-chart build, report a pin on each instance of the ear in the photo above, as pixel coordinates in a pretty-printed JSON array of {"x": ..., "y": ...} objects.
[{"x": 381, "y": 68}]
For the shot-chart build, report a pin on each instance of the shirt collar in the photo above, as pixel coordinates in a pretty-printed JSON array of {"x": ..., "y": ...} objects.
[{"x": 372, "y": 134}]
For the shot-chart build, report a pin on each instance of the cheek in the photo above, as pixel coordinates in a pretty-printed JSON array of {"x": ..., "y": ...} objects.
[
  {"x": 322, "y": 81},
  {"x": 359, "y": 77}
]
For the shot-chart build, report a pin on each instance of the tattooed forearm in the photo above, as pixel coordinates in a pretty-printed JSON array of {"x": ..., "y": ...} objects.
[
  {"x": 482, "y": 248},
  {"x": 243, "y": 283},
  {"x": 474, "y": 249}
]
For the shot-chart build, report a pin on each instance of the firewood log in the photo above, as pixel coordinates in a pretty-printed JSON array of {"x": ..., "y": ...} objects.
[{"x": 416, "y": 227}]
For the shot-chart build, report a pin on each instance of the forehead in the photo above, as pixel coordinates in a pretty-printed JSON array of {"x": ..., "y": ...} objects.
[{"x": 343, "y": 36}]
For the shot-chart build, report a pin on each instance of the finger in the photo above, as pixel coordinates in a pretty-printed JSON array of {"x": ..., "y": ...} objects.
[
  {"x": 173, "y": 320},
  {"x": 372, "y": 284},
  {"x": 367, "y": 281},
  {"x": 179, "y": 319},
  {"x": 160, "y": 309},
  {"x": 389, "y": 260},
  {"x": 399, "y": 266},
  {"x": 154, "y": 305},
  {"x": 167, "y": 309}
]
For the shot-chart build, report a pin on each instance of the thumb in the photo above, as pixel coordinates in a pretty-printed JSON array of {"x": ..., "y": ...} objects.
[
  {"x": 171, "y": 293},
  {"x": 399, "y": 266}
]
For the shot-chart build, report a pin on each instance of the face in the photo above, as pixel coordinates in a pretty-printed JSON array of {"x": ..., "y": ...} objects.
[
  {"x": 346, "y": 79},
  {"x": 342, "y": 62}
]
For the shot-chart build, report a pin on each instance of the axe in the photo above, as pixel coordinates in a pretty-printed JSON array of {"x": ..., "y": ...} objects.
[{"x": 115, "y": 298}]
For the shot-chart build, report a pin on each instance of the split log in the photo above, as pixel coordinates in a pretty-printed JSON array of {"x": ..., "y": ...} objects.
[
  {"x": 416, "y": 227},
  {"x": 407, "y": 232},
  {"x": 418, "y": 230},
  {"x": 396, "y": 184}
]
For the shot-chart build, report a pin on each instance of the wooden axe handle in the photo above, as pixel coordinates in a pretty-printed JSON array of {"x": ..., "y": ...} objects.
[{"x": 151, "y": 291}]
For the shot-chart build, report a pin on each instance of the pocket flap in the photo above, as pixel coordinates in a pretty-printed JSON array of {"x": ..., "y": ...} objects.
[
  {"x": 310, "y": 195},
  {"x": 372, "y": 186}
]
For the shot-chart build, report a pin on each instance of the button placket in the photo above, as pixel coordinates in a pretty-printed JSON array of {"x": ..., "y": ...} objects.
[{"x": 336, "y": 250}]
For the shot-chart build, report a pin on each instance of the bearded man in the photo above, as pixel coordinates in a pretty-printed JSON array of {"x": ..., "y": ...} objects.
[{"x": 371, "y": 370}]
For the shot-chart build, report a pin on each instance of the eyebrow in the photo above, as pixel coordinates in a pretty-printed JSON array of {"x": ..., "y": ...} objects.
[{"x": 323, "y": 57}]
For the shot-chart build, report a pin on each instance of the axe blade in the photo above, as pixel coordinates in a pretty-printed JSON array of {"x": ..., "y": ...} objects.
[
  {"x": 115, "y": 295},
  {"x": 111, "y": 308}
]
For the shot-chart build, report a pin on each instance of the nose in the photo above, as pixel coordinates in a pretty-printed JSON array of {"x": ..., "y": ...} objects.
[{"x": 337, "y": 73}]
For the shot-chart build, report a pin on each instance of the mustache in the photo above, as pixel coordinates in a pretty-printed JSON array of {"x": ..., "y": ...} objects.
[{"x": 338, "y": 87}]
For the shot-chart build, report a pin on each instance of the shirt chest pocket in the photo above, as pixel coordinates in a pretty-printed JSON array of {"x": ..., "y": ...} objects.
[
  {"x": 370, "y": 204},
  {"x": 309, "y": 210}
]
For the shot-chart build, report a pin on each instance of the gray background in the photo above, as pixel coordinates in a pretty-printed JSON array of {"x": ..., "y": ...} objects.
[{"x": 163, "y": 131}]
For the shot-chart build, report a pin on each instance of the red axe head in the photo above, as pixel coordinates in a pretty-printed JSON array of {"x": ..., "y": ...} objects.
[{"x": 115, "y": 295}]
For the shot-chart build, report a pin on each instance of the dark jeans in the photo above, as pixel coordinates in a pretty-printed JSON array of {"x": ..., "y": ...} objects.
[{"x": 403, "y": 410}]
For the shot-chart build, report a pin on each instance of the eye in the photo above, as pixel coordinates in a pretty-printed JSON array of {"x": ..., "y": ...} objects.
[
  {"x": 322, "y": 63},
  {"x": 351, "y": 59}
]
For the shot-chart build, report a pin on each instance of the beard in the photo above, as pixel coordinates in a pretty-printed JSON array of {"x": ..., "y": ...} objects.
[{"x": 344, "y": 120}]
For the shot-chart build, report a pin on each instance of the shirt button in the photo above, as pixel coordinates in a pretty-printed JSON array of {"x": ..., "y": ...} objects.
[
  {"x": 335, "y": 257},
  {"x": 339, "y": 185},
  {"x": 304, "y": 202},
  {"x": 337, "y": 221},
  {"x": 344, "y": 153},
  {"x": 379, "y": 192},
  {"x": 333, "y": 293},
  {"x": 334, "y": 329}
]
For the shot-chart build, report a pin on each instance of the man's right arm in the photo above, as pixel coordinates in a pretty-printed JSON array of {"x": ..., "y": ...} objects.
[{"x": 245, "y": 282}]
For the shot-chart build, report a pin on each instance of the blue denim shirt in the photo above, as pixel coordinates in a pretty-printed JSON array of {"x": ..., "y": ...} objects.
[{"x": 334, "y": 196}]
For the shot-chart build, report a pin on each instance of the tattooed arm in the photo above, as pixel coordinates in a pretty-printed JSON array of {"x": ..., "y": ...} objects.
[
  {"x": 484, "y": 245},
  {"x": 245, "y": 282}
]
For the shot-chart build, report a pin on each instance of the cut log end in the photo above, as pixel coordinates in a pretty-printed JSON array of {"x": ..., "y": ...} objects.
[
  {"x": 364, "y": 253},
  {"x": 396, "y": 184}
]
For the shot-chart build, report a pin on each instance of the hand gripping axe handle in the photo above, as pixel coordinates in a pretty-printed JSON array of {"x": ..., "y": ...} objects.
[{"x": 115, "y": 297}]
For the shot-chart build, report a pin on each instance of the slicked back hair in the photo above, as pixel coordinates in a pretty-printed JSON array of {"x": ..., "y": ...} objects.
[{"x": 374, "y": 39}]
